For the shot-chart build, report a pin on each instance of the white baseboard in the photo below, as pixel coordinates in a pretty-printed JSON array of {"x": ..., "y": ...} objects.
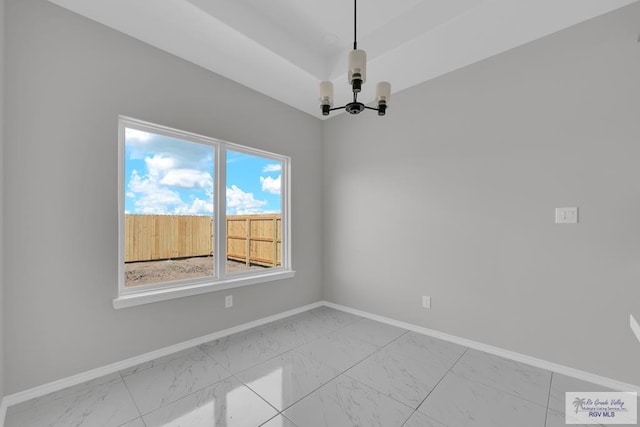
[
  {"x": 539, "y": 363},
  {"x": 39, "y": 391},
  {"x": 54, "y": 386}
]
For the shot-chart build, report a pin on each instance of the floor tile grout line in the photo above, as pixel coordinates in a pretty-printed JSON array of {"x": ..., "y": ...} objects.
[
  {"x": 250, "y": 366},
  {"x": 432, "y": 338},
  {"x": 287, "y": 349},
  {"x": 311, "y": 392},
  {"x": 504, "y": 390},
  {"x": 320, "y": 318},
  {"x": 441, "y": 379},
  {"x": 424, "y": 415},
  {"x": 335, "y": 374},
  {"x": 340, "y": 373},
  {"x": 343, "y": 372},
  {"x": 385, "y": 345},
  {"x": 376, "y": 390},
  {"x": 228, "y": 374},
  {"x": 406, "y": 331},
  {"x": 132, "y": 399},
  {"x": 281, "y": 412},
  {"x": 370, "y": 356},
  {"x": 287, "y": 418},
  {"x": 327, "y": 382},
  {"x": 546, "y": 413},
  {"x": 191, "y": 350},
  {"x": 321, "y": 362},
  {"x": 189, "y": 394},
  {"x": 139, "y": 418},
  {"x": 260, "y": 396},
  {"x": 407, "y": 420},
  {"x": 381, "y": 392},
  {"x": 59, "y": 394}
]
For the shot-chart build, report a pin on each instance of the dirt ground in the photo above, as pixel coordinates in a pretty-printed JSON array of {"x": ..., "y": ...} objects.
[{"x": 144, "y": 273}]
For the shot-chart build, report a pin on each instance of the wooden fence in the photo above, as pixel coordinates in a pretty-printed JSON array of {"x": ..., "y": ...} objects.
[
  {"x": 260, "y": 236},
  {"x": 160, "y": 237}
]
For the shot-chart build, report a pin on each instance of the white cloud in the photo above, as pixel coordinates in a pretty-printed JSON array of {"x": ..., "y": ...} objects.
[
  {"x": 241, "y": 203},
  {"x": 188, "y": 178},
  {"x": 273, "y": 167},
  {"x": 271, "y": 185},
  {"x": 152, "y": 198},
  {"x": 158, "y": 164},
  {"x": 157, "y": 202},
  {"x": 184, "y": 154},
  {"x": 139, "y": 184},
  {"x": 197, "y": 207},
  {"x": 137, "y": 135},
  {"x": 176, "y": 179}
]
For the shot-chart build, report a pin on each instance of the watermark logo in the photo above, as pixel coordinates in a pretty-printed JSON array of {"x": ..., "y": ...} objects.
[{"x": 601, "y": 408}]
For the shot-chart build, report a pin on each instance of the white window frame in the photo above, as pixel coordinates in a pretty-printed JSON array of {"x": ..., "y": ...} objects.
[{"x": 144, "y": 294}]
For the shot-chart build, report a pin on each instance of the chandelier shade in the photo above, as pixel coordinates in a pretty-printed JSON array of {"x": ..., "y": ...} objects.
[
  {"x": 357, "y": 65},
  {"x": 326, "y": 93}
]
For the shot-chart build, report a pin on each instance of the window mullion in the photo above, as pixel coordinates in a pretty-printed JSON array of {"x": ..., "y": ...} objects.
[{"x": 220, "y": 217}]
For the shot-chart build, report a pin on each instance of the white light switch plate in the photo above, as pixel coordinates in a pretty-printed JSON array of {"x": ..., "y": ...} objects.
[{"x": 566, "y": 215}]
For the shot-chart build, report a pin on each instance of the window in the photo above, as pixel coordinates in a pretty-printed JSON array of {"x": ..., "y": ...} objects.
[{"x": 179, "y": 235}]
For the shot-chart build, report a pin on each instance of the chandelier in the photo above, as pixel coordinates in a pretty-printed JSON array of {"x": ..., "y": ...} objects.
[{"x": 357, "y": 75}]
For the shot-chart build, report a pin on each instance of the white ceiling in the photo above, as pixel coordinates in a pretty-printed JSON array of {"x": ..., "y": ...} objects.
[{"x": 283, "y": 48}]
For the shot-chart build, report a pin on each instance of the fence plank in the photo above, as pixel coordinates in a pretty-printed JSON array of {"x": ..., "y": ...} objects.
[{"x": 253, "y": 239}]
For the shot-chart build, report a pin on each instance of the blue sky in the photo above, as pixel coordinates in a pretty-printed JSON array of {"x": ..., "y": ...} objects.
[{"x": 164, "y": 175}]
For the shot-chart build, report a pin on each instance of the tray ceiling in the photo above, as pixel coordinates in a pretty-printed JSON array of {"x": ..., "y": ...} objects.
[{"x": 283, "y": 48}]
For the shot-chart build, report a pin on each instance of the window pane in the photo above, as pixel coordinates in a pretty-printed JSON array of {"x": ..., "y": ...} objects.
[
  {"x": 254, "y": 212},
  {"x": 168, "y": 230}
]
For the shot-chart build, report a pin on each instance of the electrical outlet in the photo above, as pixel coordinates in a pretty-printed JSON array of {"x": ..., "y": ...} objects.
[
  {"x": 566, "y": 215},
  {"x": 426, "y": 302},
  {"x": 228, "y": 301}
]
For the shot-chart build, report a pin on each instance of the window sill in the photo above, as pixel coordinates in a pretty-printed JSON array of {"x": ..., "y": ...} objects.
[{"x": 156, "y": 295}]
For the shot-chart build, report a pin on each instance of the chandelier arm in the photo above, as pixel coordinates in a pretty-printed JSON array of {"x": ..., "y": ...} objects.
[
  {"x": 337, "y": 108},
  {"x": 371, "y": 108}
]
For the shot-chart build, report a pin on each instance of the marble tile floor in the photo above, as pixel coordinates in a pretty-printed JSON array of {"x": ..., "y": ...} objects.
[{"x": 320, "y": 368}]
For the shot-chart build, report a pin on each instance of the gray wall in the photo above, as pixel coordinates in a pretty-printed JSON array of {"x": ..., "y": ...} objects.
[
  {"x": 68, "y": 78},
  {"x": 452, "y": 195},
  {"x": 2, "y": 26}
]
